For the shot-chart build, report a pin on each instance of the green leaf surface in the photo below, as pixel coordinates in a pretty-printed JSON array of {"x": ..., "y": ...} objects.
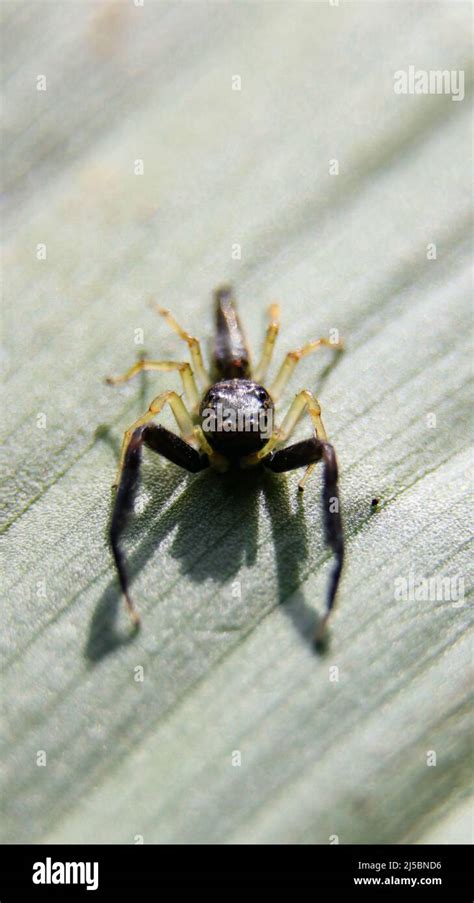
[{"x": 229, "y": 573}]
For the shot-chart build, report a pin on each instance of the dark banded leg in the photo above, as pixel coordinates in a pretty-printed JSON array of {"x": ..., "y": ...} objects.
[
  {"x": 165, "y": 443},
  {"x": 301, "y": 454}
]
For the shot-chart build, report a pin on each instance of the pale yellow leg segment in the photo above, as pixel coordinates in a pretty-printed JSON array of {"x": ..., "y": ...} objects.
[
  {"x": 193, "y": 344},
  {"x": 304, "y": 400},
  {"x": 180, "y": 412},
  {"x": 256, "y": 457},
  {"x": 219, "y": 462},
  {"x": 291, "y": 360},
  {"x": 184, "y": 368},
  {"x": 260, "y": 371}
]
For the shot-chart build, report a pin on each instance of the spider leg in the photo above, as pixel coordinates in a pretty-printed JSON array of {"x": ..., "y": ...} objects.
[
  {"x": 192, "y": 342},
  {"x": 302, "y": 401},
  {"x": 309, "y": 452},
  {"x": 180, "y": 412},
  {"x": 292, "y": 359},
  {"x": 184, "y": 368},
  {"x": 260, "y": 371},
  {"x": 165, "y": 443}
]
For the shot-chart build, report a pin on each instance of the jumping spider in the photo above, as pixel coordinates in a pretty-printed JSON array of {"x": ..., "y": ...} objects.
[{"x": 229, "y": 425}]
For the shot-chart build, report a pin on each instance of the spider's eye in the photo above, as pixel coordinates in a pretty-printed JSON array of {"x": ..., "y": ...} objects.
[{"x": 261, "y": 395}]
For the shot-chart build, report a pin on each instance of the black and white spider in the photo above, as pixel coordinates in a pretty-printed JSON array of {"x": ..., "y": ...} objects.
[{"x": 229, "y": 423}]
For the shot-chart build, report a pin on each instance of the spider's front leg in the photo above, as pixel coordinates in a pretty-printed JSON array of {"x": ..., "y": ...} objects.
[
  {"x": 306, "y": 454},
  {"x": 172, "y": 447},
  {"x": 181, "y": 414}
]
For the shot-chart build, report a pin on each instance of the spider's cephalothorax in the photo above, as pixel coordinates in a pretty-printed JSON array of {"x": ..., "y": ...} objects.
[
  {"x": 229, "y": 422},
  {"x": 237, "y": 417}
]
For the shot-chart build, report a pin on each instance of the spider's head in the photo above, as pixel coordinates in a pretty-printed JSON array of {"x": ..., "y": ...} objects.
[{"x": 237, "y": 417}]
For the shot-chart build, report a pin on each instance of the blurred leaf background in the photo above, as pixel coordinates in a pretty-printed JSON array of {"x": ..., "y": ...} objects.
[{"x": 230, "y": 573}]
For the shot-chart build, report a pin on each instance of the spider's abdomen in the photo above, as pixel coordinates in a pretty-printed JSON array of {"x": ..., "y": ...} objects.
[
  {"x": 231, "y": 355},
  {"x": 237, "y": 417}
]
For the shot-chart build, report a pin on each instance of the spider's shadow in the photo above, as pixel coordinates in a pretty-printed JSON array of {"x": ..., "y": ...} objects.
[{"x": 232, "y": 503}]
